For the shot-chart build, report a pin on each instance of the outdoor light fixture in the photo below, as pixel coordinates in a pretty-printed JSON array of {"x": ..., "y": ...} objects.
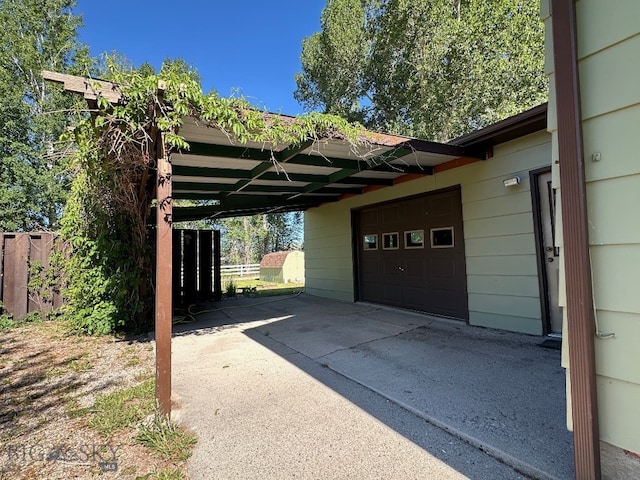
[{"x": 511, "y": 182}]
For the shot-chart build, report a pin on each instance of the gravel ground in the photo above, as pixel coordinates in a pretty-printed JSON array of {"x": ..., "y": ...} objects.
[{"x": 48, "y": 382}]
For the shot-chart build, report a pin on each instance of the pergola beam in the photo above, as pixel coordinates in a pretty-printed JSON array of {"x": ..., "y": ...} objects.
[{"x": 186, "y": 171}]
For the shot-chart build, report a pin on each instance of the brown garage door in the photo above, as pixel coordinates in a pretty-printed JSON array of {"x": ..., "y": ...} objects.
[{"x": 410, "y": 254}]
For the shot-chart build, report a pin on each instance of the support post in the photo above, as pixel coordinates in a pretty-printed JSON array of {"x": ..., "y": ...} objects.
[
  {"x": 164, "y": 247},
  {"x": 580, "y": 316}
]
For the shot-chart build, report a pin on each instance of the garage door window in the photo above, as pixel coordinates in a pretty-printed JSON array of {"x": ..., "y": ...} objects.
[
  {"x": 442, "y": 237},
  {"x": 370, "y": 242},
  {"x": 414, "y": 239},
  {"x": 390, "y": 241}
]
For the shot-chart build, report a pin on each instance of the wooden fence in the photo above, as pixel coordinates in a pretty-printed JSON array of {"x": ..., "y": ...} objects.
[
  {"x": 250, "y": 270},
  {"x": 23, "y": 255},
  {"x": 196, "y": 266}
]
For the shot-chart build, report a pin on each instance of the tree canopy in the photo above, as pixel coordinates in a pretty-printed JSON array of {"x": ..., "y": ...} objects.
[
  {"x": 434, "y": 69},
  {"x": 35, "y": 35}
]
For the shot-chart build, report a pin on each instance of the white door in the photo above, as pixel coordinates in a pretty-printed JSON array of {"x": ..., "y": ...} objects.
[{"x": 547, "y": 196}]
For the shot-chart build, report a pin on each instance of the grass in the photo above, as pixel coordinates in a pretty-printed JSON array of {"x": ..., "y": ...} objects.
[
  {"x": 166, "y": 474},
  {"x": 73, "y": 409},
  {"x": 262, "y": 288},
  {"x": 130, "y": 357},
  {"x": 161, "y": 435},
  {"x": 80, "y": 362},
  {"x": 136, "y": 407},
  {"x": 124, "y": 408}
]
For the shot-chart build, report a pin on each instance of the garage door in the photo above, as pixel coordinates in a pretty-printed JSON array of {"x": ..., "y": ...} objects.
[{"x": 410, "y": 254}]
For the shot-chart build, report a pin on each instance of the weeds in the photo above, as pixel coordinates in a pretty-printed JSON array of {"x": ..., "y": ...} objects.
[
  {"x": 124, "y": 408},
  {"x": 231, "y": 289},
  {"x": 161, "y": 435}
]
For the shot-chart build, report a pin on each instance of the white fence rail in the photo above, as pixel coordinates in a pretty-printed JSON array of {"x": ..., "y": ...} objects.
[{"x": 247, "y": 270}]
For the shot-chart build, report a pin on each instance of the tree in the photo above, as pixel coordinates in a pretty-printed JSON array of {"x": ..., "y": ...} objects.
[
  {"x": 36, "y": 35},
  {"x": 434, "y": 69},
  {"x": 248, "y": 239}
]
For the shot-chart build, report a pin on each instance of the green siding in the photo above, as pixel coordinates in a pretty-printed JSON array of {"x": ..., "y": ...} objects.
[
  {"x": 613, "y": 357},
  {"x": 610, "y": 136},
  {"x": 618, "y": 407},
  {"x": 616, "y": 276},
  {"x": 609, "y": 44},
  {"x": 610, "y": 221},
  {"x": 505, "y": 322},
  {"x": 607, "y": 91},
  {"x": 500, "y": 304},
  {"x": 524, "y": 286},
  {"x": 518, "y": 202},
  {"x": 523, "y": 244},
  {"x": 498, "y": 229},
  {"x": 502, "y": 265},
  {"x": 611, "y": 24},
  {"x": 499, "y": 226}
]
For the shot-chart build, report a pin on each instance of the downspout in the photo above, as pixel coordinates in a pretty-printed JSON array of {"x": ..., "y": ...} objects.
[{"x": 579, "y": 301}]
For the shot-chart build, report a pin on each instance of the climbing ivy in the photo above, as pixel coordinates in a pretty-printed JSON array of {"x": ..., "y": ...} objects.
[{"x": 106, "y": 220}]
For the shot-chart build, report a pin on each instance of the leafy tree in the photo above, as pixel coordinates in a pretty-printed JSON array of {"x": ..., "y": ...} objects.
[
  {"x": 429, "y": 68},
  {"x": 35, "y": 35},
  {"x": 248, "y": 239}
]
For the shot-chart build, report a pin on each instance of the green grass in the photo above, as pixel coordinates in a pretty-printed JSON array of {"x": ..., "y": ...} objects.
[
  {"x": 261, "y": 288},
  {"x": 166, "y": 474},
  {"x": 73, "y": 409},
  {"x": 161, "y": 435},
  {"x": 124, "y": 408}
]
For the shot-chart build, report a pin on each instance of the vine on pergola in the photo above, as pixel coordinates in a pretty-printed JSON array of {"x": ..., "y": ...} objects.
[{"x": 107, "y": 216}]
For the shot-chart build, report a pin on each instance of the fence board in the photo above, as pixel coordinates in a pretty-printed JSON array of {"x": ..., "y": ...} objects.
[
  {"x": 15, "y": 273},
  {"x": 190, "y": 262},
  {"x": 205, "y": 265},
  {"x": 176, "y": 258},
  {"x": 18, "y": 250},
  {"x": 217, "y": 262},
  {"x": 196, "y": 260}
]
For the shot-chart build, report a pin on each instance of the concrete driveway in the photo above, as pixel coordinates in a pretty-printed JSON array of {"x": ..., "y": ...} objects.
[{"x": 305, "y": 387}]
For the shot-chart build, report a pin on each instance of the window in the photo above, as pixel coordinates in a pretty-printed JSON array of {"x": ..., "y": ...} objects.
[
  {"x": 390, "y": 241},
  {"x": 442, "y": 237},
  {"x": 370, "y": 242},
  {"x": 414, "y": 239}
]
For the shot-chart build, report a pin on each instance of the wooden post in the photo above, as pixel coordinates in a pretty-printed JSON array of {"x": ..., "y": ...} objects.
[{"x": 164, "y": 313}]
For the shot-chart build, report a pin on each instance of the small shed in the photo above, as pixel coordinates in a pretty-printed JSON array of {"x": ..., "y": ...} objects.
[{"x": 283, "y": 267}]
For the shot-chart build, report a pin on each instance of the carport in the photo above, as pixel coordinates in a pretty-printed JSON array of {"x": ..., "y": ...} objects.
[{"x": 249, "y": 179}]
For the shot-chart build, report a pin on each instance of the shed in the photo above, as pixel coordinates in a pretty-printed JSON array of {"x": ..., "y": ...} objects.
[{"x": 283, "y": 267}]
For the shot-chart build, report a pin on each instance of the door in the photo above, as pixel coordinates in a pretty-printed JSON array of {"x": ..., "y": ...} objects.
[
  {"x": 410, "y": 254},
  {"x": 549, "y": 253}
]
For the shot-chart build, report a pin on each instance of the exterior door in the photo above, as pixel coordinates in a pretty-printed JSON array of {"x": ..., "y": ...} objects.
[
  {"x": 410, "y": 254},
  {"x": 549, "y": 252}
]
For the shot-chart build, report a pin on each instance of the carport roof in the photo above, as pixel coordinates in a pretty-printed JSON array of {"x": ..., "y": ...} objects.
[
  {"x": 250, "y": 179},
  {"x": 235, "y": 179}
]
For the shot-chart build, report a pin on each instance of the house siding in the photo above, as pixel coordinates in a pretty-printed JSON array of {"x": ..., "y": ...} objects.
[
  {"x": 608, "y": 43},
  {"x": 501, "y": 264}
]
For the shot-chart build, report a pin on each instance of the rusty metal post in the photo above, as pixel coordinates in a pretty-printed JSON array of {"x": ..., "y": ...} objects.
[{"x": 164, "y": 246}]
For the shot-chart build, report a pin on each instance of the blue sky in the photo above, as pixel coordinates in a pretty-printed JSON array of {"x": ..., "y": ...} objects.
[{"x": 250, "y": 46}]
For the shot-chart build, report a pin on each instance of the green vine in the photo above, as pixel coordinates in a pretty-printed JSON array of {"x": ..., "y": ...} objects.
[{"x": 106, "y": 220}]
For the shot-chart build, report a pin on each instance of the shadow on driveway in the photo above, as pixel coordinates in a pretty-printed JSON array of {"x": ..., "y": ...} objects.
[{"x": 450, "y": 389}]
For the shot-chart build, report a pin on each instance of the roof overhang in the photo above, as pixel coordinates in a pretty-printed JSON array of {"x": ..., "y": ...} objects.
[{"x": 250, "y": 179}]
